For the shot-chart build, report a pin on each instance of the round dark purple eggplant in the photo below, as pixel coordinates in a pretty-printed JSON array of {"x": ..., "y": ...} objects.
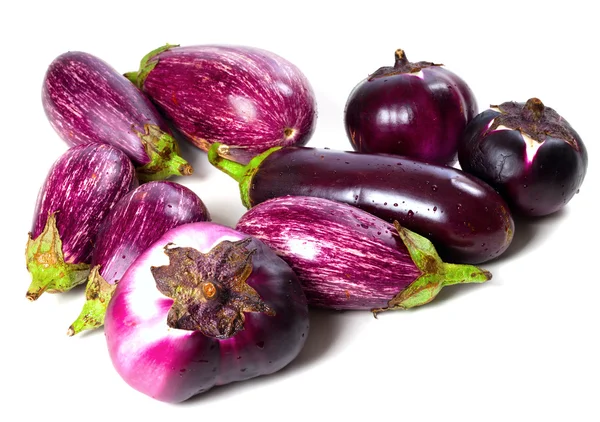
[
  {"x": 246, "y": 97},
  {"x": 87, "y": 101},
  {"x": 80, "y": 189},
  {"x": 466, "y": 220},
  {"x": 347, "y": 258},
  {"x": 204, "y": 305},
  {"x": 133, "y": 224},
  {"x": 417, "y": 110},
  {"x": 527, "y": 152}
]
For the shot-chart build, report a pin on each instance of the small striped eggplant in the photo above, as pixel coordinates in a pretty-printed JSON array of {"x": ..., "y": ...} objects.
[
  {"x": 204, "y": 305},
  {"x": 134, "y": 223},
  {"x": 80, "y": 189},
  {"x": 87, "y": 101},
  {"x": 347, "y": 258},
  {"x": 247, "y": 97}
]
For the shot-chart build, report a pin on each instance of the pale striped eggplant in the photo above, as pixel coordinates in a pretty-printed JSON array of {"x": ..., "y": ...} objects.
[
  {"x": 134, "y": 223},
  {"x": 87, "y": 101},
  {"x": 347, "y": 258},
  {"x": 248, "y": 98},
  {"x": 79, "y": 191}
]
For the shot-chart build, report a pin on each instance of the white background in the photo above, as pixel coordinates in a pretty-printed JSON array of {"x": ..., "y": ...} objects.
[{"x": 522, "y": 347}]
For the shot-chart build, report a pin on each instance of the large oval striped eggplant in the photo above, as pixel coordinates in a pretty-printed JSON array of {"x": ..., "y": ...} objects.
[
  {"x": 248, "y": 98},
  {"x": 87, "y": 101},
  {"x": 80, "y": 189},
  {"x": 347, "y": 258},
  {"x": 135, "y": 222}
]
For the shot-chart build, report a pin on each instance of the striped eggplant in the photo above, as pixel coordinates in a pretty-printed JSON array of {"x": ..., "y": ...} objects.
[
  {"x": 79, "y": 191},
  {"x": 87, "y": 101},
  {"x": 204, "y": 305},
  {"x": 466, "y": 220},
  {"x": 347, "y": 258},
  {"x": 249, "y": 98},
  {"x": 134, "y": 223}
]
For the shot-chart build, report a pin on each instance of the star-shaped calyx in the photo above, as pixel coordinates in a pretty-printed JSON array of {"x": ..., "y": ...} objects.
[{"x": 209, "y": 290}]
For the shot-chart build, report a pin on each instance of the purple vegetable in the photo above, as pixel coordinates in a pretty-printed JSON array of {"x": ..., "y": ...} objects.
[
  {"x": 467, "y": 221},
  {"x": 346, "y": 258},
  {"x": 79, "y": 191},
  {"x": 87, "y": 101},
  {"x": 528, "y": 152},
  {"x": 205, "y": 305},
  {"x": 417, "y": 110},
  {"x": 139, "y": 219},
  {"x": 246, "y": 97}
]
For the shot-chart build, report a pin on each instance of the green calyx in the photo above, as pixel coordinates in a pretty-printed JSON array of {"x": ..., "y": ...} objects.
[
  {"x": 163, "y": 151},
  {"x": 45, "y": 262},
  {"x": 242, "y": 174},
  {"x": 146, "y": 65},
  {"x": 98, "y": 293},
  {"x": 435, "y": 274}
]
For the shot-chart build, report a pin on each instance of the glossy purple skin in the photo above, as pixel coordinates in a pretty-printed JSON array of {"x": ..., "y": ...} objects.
[
  {"x": 87, "y": 101},
  {"x": 418, "y": 115},
  {"x": 534, "y": 183},
  {"x": 173, "y": 365},
  {"x": 466, "y": 220},
  {"x": 344, "y": 257},
  {"x": 81, "y": 187},
  {"x": 139, "y": 219},
  {"x": 241, "y": 96}
]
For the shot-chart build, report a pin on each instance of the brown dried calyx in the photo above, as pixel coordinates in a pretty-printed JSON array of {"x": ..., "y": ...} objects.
[
  {"x": 209, "y": 291},
  {"x": 534, "y": 120},
  {"x": 401, "y": 65}
]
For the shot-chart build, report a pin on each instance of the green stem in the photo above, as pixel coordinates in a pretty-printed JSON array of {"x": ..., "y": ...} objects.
[
  {"x": 242, "y": 174},
  {"x": 146, "y": 66},
  {"x": 98, "y": 293},
  {"x": 162, "y": 149},
  {"x": 435, "y": 274},
  {"x": 45, "y": 262}
]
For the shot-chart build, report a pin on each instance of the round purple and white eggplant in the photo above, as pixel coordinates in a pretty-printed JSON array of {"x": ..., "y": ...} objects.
[
  {"x": 134, "y": 223},
  {"x": 79, "y": 191},
  {"x": 248, "y": 98},
  {"x": 527, "y": 152},
  {"x": 204, "y": 305},
  {"x": 87, "y": 101},
  {"x": 347, "y": 258}
]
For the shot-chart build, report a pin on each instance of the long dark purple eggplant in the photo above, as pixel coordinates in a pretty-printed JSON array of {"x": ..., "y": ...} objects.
[
  {"x": 136, "y": 221},
  {"x": 80, "y": 189},
  {"x": 87, "y": 101},
  {"x": 347, "y": 258},
  {"x": 466, "y": 220}
]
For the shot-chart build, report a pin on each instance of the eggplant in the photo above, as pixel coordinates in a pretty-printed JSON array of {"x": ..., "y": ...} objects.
[
  {"x": 87, "y": 101},
  {"x": 347, "y": 258},
  {"x": 133, "y": 224},
  {"x": 529, "y": 153},
  {"x": 204, "y": 305},
  {"x": 80, "y": 189},
  {"x": 416, "y": 110},
  {"x": 466, "y": 220},
  {"x": 246, "y": 97}
]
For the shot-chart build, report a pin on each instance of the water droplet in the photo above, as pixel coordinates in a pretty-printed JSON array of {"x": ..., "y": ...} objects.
[
  {"x": 261, "y": 344},
  {"x": 182, "y": 370},
  {"x": 364, "y": 226},
  {"x": 435, "y": 208},
  {"x": 577, "y": 191},
  {"x": 524, "y": 186},
  {"x": 410, "y": 213},
  {"x": 239, "y": 357},
  {"x": 378, "y": 232},
  {"x": 385, "y": 203},
  {"x": 434, "y": 188},
  {"x": 123, "y": 257},
  {"x": 356, "y": 197},
  {"x": 396, "y": 204},
  {"x": 169, "y": 205},
  {"x": 243, "y": 369}
]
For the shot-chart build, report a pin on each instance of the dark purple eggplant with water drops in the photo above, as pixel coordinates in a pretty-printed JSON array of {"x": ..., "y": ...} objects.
[
  {"x": 204, "y": 305},
  {"x": 87, "y": 101},
  {"x": 416, "y": 110},
  {"x": 249, "y": 98},
  {"x": 529, "y": 153},
  {"x": 79, "y": 191},
  {"x": 347, "y": 258},
  {"x": 134, "y": 223},
  {"x": 466, "y": 220}
]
